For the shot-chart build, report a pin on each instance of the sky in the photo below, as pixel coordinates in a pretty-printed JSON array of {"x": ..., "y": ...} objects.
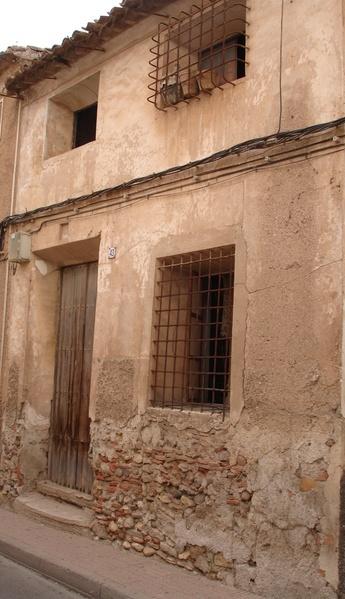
[{"x": 44, "y": 23}]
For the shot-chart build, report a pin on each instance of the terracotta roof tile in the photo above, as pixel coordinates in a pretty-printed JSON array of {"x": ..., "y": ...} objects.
[
  {"x": 18, "y": 54},
  {"x": 80, "y": 43}
]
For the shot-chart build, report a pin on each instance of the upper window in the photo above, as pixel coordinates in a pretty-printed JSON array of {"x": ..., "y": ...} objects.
[
  {"x": 72, "y": 117},
  {"x": 192, "y": 330},
  {"x": 198, "y": 52},
  {"x": 223, "y": 62},
  {"x": 85, "y": 125}
]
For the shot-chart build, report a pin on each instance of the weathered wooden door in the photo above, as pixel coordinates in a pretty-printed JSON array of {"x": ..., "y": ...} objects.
[{"x": 68, "y": 463}]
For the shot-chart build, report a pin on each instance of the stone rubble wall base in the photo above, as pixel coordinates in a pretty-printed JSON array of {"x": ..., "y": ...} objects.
[
  {"x": 242, "y": 505},
  {"x": 238, "y": 505}
]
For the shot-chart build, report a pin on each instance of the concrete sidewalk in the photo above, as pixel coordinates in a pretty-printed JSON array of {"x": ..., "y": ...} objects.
[{"x": 98, "y": 569}]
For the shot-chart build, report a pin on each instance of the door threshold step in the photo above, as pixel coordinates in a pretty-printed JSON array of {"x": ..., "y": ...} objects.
[
  {"x": 55, "y": 513},
  {"x": 73, "y": 496}
]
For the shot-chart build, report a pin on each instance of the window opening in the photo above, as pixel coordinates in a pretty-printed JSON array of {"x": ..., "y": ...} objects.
[
  {"x": 85, "y": 125},
  {"x": 192, "y": 330},
  {"x": 72, "y": 117},
  {"x": 225, "y": 60},
  {"x": 198, "y": 51}
]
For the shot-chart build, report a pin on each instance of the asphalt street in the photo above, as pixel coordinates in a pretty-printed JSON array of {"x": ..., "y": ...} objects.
[{"x": 17, "y": 582}]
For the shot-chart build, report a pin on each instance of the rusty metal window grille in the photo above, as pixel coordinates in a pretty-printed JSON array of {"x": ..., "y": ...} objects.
[
  {"x": 192, "y": 330},
  {"x": 198, "y": 51}
]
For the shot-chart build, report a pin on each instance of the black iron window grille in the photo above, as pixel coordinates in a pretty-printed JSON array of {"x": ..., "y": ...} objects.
[
  {"x": 197, "y": 52},
  {"x": 192, "y": 330}
]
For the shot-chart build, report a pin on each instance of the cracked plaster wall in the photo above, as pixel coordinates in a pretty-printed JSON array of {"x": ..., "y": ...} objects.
[
  {"x": 150, "y": 140},
  {"x": 251, "y": 500},
  {"x": 254, "y": 502},
  {"x": 8, "y": 128}
]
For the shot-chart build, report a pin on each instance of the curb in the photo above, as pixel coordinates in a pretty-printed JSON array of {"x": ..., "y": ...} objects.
[{"x": 81, "y": 583}]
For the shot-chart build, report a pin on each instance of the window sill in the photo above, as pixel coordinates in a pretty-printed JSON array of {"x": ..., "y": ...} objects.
[
  {"x": 196, "y": 413},
  {"x": 66, "y": 152}
]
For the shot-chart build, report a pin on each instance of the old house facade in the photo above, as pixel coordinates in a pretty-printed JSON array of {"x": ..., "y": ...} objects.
[{"x": 172, "y": 284}]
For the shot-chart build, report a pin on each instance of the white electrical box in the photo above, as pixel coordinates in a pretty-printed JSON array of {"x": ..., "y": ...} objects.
[{"x": 19, "y": 248}]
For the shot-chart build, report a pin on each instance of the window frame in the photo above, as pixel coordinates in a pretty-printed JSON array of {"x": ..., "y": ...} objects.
[
  {"x": 76, "y": 114},
  {"x": 236, "y": 41},
  {"x": 62, "y": 106},
  {"x": 186, "y": 404}
]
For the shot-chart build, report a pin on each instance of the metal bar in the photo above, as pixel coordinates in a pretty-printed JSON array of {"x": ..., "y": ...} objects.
[
  {"x": 176, "y": 340},
  {"x": 191, "y": 356},
  {"x": 219, "y": 314},
  {"x": 167, "y": 334},
  {"x": 159, "y": 311},
  {"x": 212, "y": 389},
  {"x": 200, "y": 285},
  {"x": 204, "y": 291},
  {"x": 195, "y": 406},
  {"x": 186, "y": 357},
  {"x": 189, "y": 47},
  {"x": 208, "y": 27},
  {"x": 191, "y": 372},
  {"x": 229, "y": 271},
  {"x": 173, "y": 325},
  {"x": 175, "y": 309},
  {"x": 222, "y": 27},
  {"x": 196, "y": 63},
  {"x": 207, "y": 320},
  {"x": 191, "y": 261},
  {"x": 197, "y": 339}
]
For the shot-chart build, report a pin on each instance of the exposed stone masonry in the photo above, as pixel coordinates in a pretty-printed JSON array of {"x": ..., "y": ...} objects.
[
  {"x": 11, "y": 477},
  {"x": 255, "y": 502},
  {"x": 176, "y": 487}
]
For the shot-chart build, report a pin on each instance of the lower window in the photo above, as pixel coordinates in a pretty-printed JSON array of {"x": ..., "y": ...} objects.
[{"x": 192, "y": 330}]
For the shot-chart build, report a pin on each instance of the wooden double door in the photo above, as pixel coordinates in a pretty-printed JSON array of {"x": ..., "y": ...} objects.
[{"x": 69, "y": 436}]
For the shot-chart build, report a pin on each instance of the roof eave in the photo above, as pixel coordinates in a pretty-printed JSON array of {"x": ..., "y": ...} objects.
[{"x": 80, "y": 43}]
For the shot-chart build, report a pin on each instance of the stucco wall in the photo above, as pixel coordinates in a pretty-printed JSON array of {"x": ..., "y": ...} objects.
[
  {"x": 133, "y": 138},
  {"x": 8, "y": 131},
  {"x": 254, "y": 498},
  {"x": 7, "y": 150}
]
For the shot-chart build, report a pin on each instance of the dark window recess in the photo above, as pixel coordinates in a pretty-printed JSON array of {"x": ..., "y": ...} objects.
[
  {"x": 215, "y": 345},
  {"x": 193, "y": 329},
  {"x": 241, "y": 56},
  {"x": 85, "y": 125},
  {"x": 225, "y": 60}
]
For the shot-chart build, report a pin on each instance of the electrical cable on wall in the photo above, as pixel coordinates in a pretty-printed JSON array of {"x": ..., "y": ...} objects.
[{"x": 249, "y": 145}]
